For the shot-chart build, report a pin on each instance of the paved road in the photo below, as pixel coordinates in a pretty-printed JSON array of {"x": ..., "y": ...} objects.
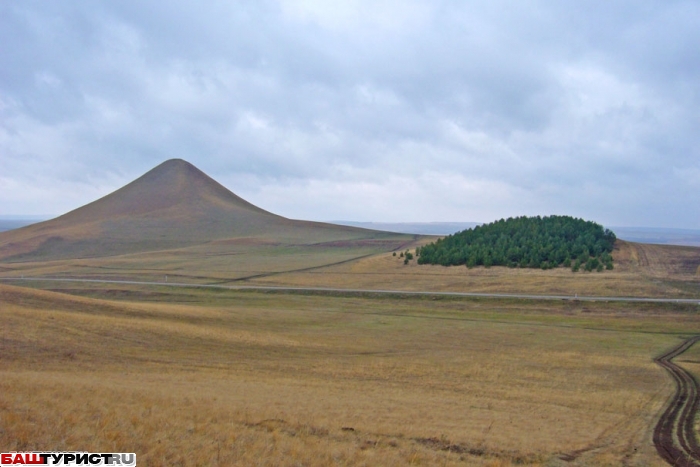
[
  {"x": 674, "y": 435},
  {"x": 368, "y": 291}
]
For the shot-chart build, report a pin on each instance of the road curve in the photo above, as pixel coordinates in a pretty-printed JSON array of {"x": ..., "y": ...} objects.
[
  {"x": 582, "y": 298},
  {"x": 674, "y": 435}
]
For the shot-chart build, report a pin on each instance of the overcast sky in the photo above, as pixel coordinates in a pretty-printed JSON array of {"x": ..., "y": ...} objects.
[{"x": 369, "y": 110}]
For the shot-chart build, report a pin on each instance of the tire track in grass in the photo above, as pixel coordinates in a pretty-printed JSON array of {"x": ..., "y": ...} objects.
[{"x": 674, "y": 434}]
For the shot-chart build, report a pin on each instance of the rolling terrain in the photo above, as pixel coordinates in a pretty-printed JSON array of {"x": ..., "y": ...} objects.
[
  {"x": 204, "y": 377},
  {"x": 177, "y": 224},
  {"x": 174, "y": 205},
  {"x": 641, "y": 270},
  {"x": 177, "y": 218},
  {"x": 300, "y": 377}
]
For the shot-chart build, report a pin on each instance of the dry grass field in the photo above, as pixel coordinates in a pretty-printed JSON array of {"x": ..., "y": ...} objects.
[
  {"x": 222, "y": 261},
  {"x": 201, "y": 377},
  {"x": 641, "y": 270},
  {"x": 176, "y": 221},
  {"x": 187, "y": 376}
]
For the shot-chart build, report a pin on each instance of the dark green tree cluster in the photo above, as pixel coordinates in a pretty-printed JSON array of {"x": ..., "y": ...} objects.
[
  {"x": 526, "y": 242},
  {"x": 406, "y": 255}
]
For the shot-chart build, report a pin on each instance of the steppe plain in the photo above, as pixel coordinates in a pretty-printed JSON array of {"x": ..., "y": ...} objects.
[{"x": 213, "y": 376}]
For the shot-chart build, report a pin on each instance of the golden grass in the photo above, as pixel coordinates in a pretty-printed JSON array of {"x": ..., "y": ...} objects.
[
  {"x": 273, "y": 379},
  {"x": 215, "y": 262},
  {"x": 186, "y": 376},
  {"x": 640, "y": 271}
]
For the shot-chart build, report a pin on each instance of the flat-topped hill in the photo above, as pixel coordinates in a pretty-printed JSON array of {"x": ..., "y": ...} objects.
[{"x": 174, "y": 205}]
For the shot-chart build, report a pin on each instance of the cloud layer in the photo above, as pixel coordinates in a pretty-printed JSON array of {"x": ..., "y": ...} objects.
[{"x": 363, "y": 110}]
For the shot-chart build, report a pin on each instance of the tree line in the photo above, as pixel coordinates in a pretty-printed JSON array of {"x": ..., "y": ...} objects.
[{"x": 526, "y": 242}]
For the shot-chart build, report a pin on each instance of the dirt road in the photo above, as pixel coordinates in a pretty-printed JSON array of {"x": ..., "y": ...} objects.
[
  {"x": 580, "y": 298},
  {"x": 674, "y": 435}
]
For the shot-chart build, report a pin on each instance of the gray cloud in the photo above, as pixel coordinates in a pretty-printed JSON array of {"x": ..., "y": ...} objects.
[{"x": 364, "y": 110}]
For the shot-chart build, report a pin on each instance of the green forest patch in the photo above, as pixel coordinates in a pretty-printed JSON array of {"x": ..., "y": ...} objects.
[{"x": 526, "y": 242}]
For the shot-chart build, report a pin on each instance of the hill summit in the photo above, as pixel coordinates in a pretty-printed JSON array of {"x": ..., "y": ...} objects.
[
  {"x": 173, "y": 189},
  {"x": 174, "y": 205}
]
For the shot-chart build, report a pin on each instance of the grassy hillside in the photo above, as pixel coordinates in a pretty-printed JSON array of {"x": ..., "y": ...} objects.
[{"x": 173, "y": 206}]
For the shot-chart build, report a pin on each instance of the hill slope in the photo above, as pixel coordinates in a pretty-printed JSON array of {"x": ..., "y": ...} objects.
[{"x": 172, "y": 206}]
